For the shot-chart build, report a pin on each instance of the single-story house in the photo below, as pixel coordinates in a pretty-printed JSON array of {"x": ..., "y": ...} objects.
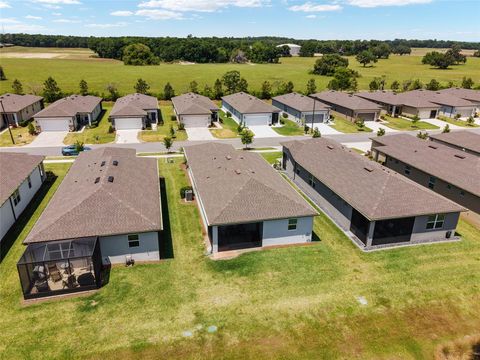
[
  {"x": 107, "y": 210},
  {"x": 243, "y": 201},
  {"x": 195, "y": 110},
  {"x": 21, "y": 175},
  {"x": 449, "y": 172},
  {"x": 18, "y": 108},
  {"x": 134, "y": 111},
  {"x": 450, "y": 105},
  {"x": 467, "y": 94},
  {"x": 69, "y": 113},
  {"x": 374, "y": 205},
  {"x": 348, "y": 105},
  {"x": 464, "y": 140},
  {"x": 249, "y": 110},
  {"x": 302, "y": 108},
  {"x": 390, "y": 101},
  {"x": 294, "y": 49}
]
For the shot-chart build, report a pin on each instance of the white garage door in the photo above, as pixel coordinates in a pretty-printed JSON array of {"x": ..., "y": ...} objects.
[
  {"x": 253, "y": 120},
  {"x": 191, "y": 121},
  {"x": 53, "y": 125},
  {"x": 128, "y": 123}
]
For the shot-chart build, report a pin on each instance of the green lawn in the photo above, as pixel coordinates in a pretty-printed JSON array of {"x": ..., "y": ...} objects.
[
  {"x": 95, "y": 135},
  {"x": 295, "y": 302},
  {"x": 163, "y": 130},
  {"x": 290, "y": 128},
  {"x": 20, "y": 136},
  {"x": 229, "y": 127},
  {"x": 403, "y": 124},
  {"x": 457, "y": 122},
  {"x": 271, "y": 157},
  {"x": 346, "y": 126},
  {"x": 99, "y": 72}
]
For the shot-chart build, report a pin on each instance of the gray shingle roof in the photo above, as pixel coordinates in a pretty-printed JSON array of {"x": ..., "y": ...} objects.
[
  {"x": 437, "y": 97},
  {"x": 193, "y": 104},
  {"x": 134, "y": 105},
  {"x": 14, "y": 169},
  {"x": 467, "y": 94},
  {"x": 15, "y": 103},
  {"x": 467, "y": 140},
  {"x": 70, "y": 106},
  {"x": 82, "y": 207},
  {"x": 346, "y": 100},
  {"x": 386, "y": 97},
  {"x": 248, "y": 104},
  {"x": 453, "y": 166},
  {"x": 301, "y": 102},
  {"x": 236, "y": 186},
  {"x": 374, "y": 190}
]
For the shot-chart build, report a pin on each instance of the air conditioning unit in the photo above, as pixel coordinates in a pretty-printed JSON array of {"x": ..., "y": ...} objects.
[
  {"x": 448, "y": 235},
  {"x": 188, "y": 195},
  {"x": 129, "y": 260}
]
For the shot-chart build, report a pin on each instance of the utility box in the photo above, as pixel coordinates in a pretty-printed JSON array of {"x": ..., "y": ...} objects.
[{"x": 188, "y": 195}]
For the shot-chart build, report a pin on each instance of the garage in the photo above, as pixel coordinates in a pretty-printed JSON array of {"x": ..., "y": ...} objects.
[
  {"x": 257, "y": 119},
  {"x": 367, "y": 116},
  {"x": 128, "y": 123},
  {"x": 319, "y": 118},
  {"x": 191, "y": 121},
  {"x": 53, "y": 124}
]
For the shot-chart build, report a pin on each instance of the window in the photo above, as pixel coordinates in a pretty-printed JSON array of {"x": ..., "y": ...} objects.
[
  {"x": 292, "y": 224},
  {"x": 407, "y": 170},
  {"x": 133, "y": 240},
  {"x": 431, "y": 182},
  {"x": 435, "y": 221},
  {"x": 29, "y": 182},
  {"x": 16, "y": 197},
  {"x": 396, "y": 161},
  {"x": 297, "y": 169},
  {"x": 462, "y": 193},
  {"x": 449, "y": 186},
  {"x": 311, "y": 180}
]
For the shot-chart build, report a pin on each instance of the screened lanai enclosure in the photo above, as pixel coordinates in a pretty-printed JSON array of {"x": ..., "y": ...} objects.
[{"x": 60, "y": 267}]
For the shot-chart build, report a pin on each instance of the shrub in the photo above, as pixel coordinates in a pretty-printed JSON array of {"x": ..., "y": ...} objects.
[
  {"x": 229, "y": 114},
  {"x": 458, "y": 116},
  {"x": 470, "y": 121},
  {"x": 183, "y": 189},
  {"x": 446, "y": 129},
  {"x": 31, "y": 129},
  {"x": 24, "y": 123},
  {"x": 316, "y": 133},
  {"x": 111, "y": 129},
  {"x": 381, "y": 132},
  {"x": 181, "y": 126},
  {"x": 282, "y": 121},
  {"x": 422, "y": 135},
  {"x": 306, "y": 128},
  {"x": 285, "y": 115},
  {"x": 173, "y": 117}
]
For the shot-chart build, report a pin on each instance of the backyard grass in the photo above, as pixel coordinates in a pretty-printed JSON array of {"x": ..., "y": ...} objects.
[
  {"x": 163, "y": 130},
  {"x": 346, "y": 126},
  {"x": 20, "y": 135},
  {"x": 404, "y": 124},
  {"x": 96, "y": 135},
  {"x": 100, "y": 72},
  {"x": 272, "y": 157},
  {"x": 229, "y": 127},
  {"x": 296, "y": 302},
  {"x": 290, "y": 128},
  {"x": 457, "y": 122}
]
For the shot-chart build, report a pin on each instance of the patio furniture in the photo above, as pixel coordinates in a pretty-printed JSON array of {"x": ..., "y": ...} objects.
[
  {"x": 42, "y": 285},
  {"x": 66, "y": 267},
  {"x": 70, "y": 283},
  {"x": 86, "y": 279},
  {"x": 54, "y": 273}
]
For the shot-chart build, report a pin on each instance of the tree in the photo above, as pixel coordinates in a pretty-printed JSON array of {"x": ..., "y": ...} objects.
[
  {"x": 455, "y": 52},
  {"x": 395, "y": 85},
  {"x": 416, "y": 85},
  {"x": 328, "y": 63},
  {"x": 31, "y": 128},
  {"x": 344, "y": 79},
  {"x": 467, "y": 83},
  {"x": 378, "y": 83},
  {"x": 311, "y": 87},
  {"x": 422, "y": 135},
  {"x": 168, "y": 143},
  {"x": 470, "y": 121},
  {"x": 51, "y": 91},
  {"x": 266, "y": 91},
  {"x": 113, "y": 91},
  {"x": 360, "y": 124},
  {"x": 168, "y": 91},
  {"x": 415, "y": 120},
  {"x": 402, "y": 50},
  {"x": 246, "y": 136},
  {"x": 172, "y": 132},
  {"x": 233, "y": 82},
  {"x": 433, "y": 85},
  {"x": 243, "y": 85},
  {"x": 261, "y": 52},
  {"x": 381, "y": 51},
  {"x": 446, "y": 129},
  {"x": 217, "y": 90},
  {"x": 17, "y": 87},
  {"x": 139, "y": 54},
  {"x": 373, "y": 85},
  {"x": 406, "y": 84},
  {"x": 285, "y": 88},
  {"x": 476, "y": 53},
  {"x": 193, "y": 86},
  {"x": 141, "y": 86},
  {"x": 79, "y": 146},
  {"x": 2, "y": 74},
  {"x": 438, "y": 60},
  {"x": 238, "y": 57},
  {"x": 207, "y": 91},
  {"x": 366, "y": 57},
  {"x": 83, "y": 86},
  {"x": 381, "y": 132},
  {"x": 316, "y": 133}
]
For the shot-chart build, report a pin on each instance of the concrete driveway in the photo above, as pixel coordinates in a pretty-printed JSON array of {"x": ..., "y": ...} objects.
[
  {"x": 48, "y": 139},
  {"x": 199, "y": 133},
  {"x": 127, "y": 137},
  {"x": 326, "y": 129},
  {"x": 377, "y": 125},
  {"x": 264, "y": 131}
]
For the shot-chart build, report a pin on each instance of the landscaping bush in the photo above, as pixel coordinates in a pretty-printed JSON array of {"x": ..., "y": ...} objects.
[
  {"x": 470, "y": 121},
  {"x": 306, "y": 129},
  {"x": 229, "y": 114},
  {"x": 31, "y": 129},
  {"x": 173, "y": 117},
  {"x": 183, "y": 189},
  {"x": 111, "y": 130},
  {"x": 282, "y": 121},
  {"x": 181, "y": 126},
  {"x": 285, "y": 115}
]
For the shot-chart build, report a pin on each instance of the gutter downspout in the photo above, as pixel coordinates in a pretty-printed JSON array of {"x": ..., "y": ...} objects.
[{"x": 13, "y": 209}]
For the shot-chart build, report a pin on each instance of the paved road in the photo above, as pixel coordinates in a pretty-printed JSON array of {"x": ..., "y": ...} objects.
[{"x": 260, "y": 142}]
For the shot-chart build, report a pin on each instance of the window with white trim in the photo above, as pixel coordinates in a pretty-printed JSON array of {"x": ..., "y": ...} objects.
[
  {"x": 431, "y": 182},
  {"x": 16, "y": 197},
  {"x": 292, "y": 224},
  {"x": 435, "y": 221},
  {"x": 133, "y": 240},
  {"x": 29, "y": 182}
]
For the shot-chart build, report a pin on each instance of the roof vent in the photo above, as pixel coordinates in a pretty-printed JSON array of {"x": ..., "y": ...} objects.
[
  {"x": 97, "y": 180},
  {"x": 110, "y": 179},
  {"x": 368, "y": 168},
  {"x": 228, "y": 157},
  {"x": 432, "y": 147},
  {"x": 330, "y": 147},
  {"x": 460, "y": 156},
  {"x": 115, "y": 163},
  {"x": 103, "y": 163},
  {"x": 238, "y": 171}
]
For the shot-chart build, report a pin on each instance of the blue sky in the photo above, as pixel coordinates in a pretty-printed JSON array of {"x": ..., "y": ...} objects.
[{"x": 301, "y": 19}]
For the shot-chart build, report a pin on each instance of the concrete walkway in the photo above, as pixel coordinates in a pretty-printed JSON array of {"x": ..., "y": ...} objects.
[
  {"x": 48, "y": 138},
  {"x": 264, "y": 131},
  {"x": 377, "y": 125},
  {"x": 199, "y": 134},
  {"x": 326, "y": 129},
  {"x": 127, "y": 137}
]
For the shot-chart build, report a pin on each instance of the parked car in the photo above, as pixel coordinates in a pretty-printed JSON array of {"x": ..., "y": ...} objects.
[{"x": 72, "y": 150}]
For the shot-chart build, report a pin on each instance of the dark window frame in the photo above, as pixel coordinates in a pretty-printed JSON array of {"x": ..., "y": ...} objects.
[
  {"x": 133, "y": 240},
  {"x": 292, "y": 224}
]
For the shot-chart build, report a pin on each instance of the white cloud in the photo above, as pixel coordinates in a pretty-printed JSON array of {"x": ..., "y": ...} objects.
[
  {"x": 56, "y": 14},
  {"x": 106, "y": 25},
  {"x": 311, "y": 16},
  {"x": 58, "y": 2},
  {"x": 122, "y": 13},
  {"x": 9, "y": 21},
  {"x": 376, "y": 3},
  {"x": 156, "y": 14},
  {"x": 311, "y": 7},
  {"x": 53, "y": 7},
  {"x": 200, "y": 5},
  {"x": 4, "y": 5},
  {"x": 31, "y": 17},
  {"x": 66, "y": 21},
  {"x": 14, "y": 25}
]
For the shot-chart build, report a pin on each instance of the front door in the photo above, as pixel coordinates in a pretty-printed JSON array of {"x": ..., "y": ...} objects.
[{"x": 433, "y": 114}]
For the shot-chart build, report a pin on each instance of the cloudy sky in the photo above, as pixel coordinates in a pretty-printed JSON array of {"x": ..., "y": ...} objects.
[{"x": 302, "y": 19}]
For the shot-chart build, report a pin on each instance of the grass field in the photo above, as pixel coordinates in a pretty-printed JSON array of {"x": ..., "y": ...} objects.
[
  {"x": 229, "y": 127},
  {"x": 346, "y": 126},
  {"x": 20, "y": 136},
  {"x": 457, "y": 122},
  {"x": 403, "y": 124},
  {"x": 99, "y": 72},
  {"x": 163, "y": 130},
  {"x": 290, "y": 128},
  {"x": 294, "y": 302}
]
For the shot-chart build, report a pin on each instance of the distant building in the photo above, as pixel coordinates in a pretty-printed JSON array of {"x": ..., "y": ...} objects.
[
  {"x": 294, "y": 48},
  {"x": 248, "y": 110},
  {"x": 302, "y": 108},
  {"x": 467, "y": 141},
  {"x": 194, "y": 110},
  {"x": 18, "y": 108}
]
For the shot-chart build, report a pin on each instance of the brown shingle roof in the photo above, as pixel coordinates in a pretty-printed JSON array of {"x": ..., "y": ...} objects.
[
  {"x": 346, "y": 100},
  {"x": 70, "y": 106},
  {"x": 238, "y": 186},
  {"x": 193, "y": 104},
  {"x": 15, "y": 103},
  {"x": 83, "y": 207},
  {"x": 467, "y": 94},
  {"x": 437, "y": 97},
  {"x": 453, "y": 166},
  {"x": 374, "y": 190},
  {"x": 467, "y": 140},
  {"x": 386, "y": 97},
  {"x": 300, "y": 102},
  {"x": 134, "y": 105},
  {"x": 248, "y": 104},
  {"x": 14, "y": 169}
]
